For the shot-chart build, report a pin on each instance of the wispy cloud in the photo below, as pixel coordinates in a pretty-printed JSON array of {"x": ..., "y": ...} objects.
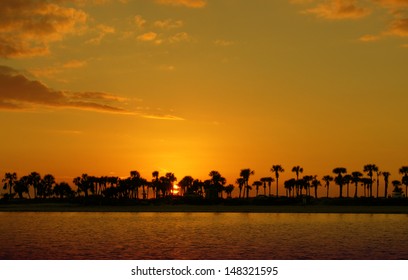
[
  {"x": 223, "y": 43},
  {"x": 101, "y": 30},
  {"x": 18, "y": 93},
  {"x": 51, "y": 71},
  {"x": 395, "y": 10},
  {"x": 148, "y": 36},
  {"x": 163, "y": 117},
  {"x": 339, "y": 9},
  {"x": 139, "y": 21},
  {"x": 28, "y": 27},
  {"x": 185, "y": 3},
  {"x": 168, "y": 24}
]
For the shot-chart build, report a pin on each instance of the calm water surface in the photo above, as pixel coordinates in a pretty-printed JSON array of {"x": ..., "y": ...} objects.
[{"x": 202, "y": 236}]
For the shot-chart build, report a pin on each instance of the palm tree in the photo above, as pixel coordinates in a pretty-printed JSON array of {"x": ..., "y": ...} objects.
[
  {"x": 378, "y": 173},
  {"x": 397, "y": 189},
  {"x": 366, "y": 182},
  {"x": 240, "y": 182},
  {"x": 339, "y": 179},
  {"x": 84, "y": 185},
  {"x": 135, "y": 183},
  {"x": 404, "y": 170},
  {"x": 386, "y": 175},
  {"x": 62, "y": 189},
  {"x": 21, "y": 186},
  {"x": 315, "y": 184},
  {"x": 347, "y": 179},
  {"x": 268, "y": 180},
  {"x": 405, "y": 182},
  {"x": 277, "y": 169},
  {"x": 47, "y": 185},
  {"x": 263, "y": 180},
  {"x": 171, "y": 179},
  {"x": 185, "y": 184},
  {"x": 155, "y": 183},
  {"x": 297, "y": 169},
  {"x": 327, "y": 179},
  {"x": 289, "y": 185},
  {"x": 257, "y": 184},
  {"x": 370, "y": 169},
  {"x": 34, "y": 180},
  {"x": 9, "y": 180},
  {"x": 229, "y": 189},
  {"x": 355, "y": 178},
  {"x": 245, "y": 173}
]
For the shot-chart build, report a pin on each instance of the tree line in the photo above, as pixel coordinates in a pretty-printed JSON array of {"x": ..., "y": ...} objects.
[{"x": 215, "y": 187}]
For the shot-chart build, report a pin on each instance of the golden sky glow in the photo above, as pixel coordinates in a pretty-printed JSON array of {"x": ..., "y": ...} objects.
[{"x": 189, "y": 86}]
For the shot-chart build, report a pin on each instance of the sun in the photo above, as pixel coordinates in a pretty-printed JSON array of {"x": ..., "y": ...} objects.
[{"x": 175, "y": 190}]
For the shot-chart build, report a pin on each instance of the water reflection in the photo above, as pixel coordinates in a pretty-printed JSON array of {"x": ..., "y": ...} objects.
[{"x": 202, "y": 236}]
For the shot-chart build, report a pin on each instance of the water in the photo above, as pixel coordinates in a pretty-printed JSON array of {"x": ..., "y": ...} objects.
[{"x": 202, "y": 236}]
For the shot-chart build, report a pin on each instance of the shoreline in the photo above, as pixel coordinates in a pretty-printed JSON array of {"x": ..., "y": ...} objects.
[{"x": 185, "y": 208}]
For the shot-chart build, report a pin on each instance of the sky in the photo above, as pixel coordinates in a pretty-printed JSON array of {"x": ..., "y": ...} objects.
[{"x": 188, "y": 86}]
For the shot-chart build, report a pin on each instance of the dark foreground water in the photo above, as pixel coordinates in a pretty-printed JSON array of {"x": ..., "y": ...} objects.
[{"x": 202, "y": 236}]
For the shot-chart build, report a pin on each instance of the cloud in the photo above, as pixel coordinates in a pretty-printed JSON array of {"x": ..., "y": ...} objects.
[
  {"x": 339, "y": 9},
  {"x": 223, "y": 43},
  {"x": 139, "y": 21},
  {"x": 28, "y": 27},
  {"x": 399, "y": 27},
  {"x": 19, "y": 93},
  {"x": 146, "y": 37},
  {"x": 369, "y": 38},
  {"x": 185, "y": 3},
  {"x": 51, "y": 71},
  {"x": 168, "y": 24},
  {"x": 395, "y": 10},
  {"x": 102, "y": 31},
  {"x": 163, "y": 117},
  {"x": 180, "y": 37}
]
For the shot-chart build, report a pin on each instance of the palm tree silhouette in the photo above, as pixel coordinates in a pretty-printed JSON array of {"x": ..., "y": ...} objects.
[
  {"x": 257, "y": 184},
  {"x": 62, "y": 189},
  {"x": 347, "y": 179},
  {"x": 365, "y": 182},
  {"x": 297, "y": 169},
  {"x": 327, "y": 179},
  {"x": 268, "y": 180},
  {"x": 386, "y": 175},
  {"x": 378, "y": 173},
  {"x": 47, "y": 185},
  {"x": 355, "y": 178},
  {"x": 370, "y": 169},
  {"x": 397, "y": 190},
  {"x": 339, "y": 179},
  {"x": 315, "y": 184},
  {"x": 289, "y": 185},
  {"x": 305, "y": 182},
  {"x": 185, "y": 184},
  {"x": 155, "y": 183},
  {"x": 34, "y": 180},
  {"x": 21, "y": 186},
  {"x": 229, "y": 189},
  {"x": 245, "y": 173},
  {"x": 404, "y": 170},
  {"x": 277, "y": 169},
  {"x": 9, "y": 181},
  {"x": 240, "y": 182}
]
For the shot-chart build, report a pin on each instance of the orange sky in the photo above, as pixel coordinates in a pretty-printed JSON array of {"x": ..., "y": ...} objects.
[{"x": 189, "y": 86}]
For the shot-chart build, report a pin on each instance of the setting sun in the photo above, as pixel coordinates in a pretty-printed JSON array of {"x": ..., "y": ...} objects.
[{"x": 175, "y": 190}]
